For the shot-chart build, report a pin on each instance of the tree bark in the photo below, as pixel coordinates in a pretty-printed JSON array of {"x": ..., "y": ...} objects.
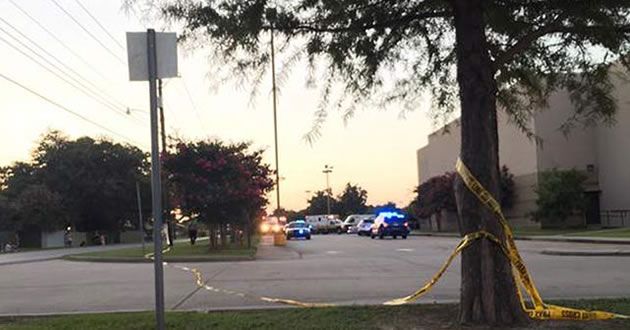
[
  {"x": 222, "y": 232},
  {"x": 488, "y": 291}
]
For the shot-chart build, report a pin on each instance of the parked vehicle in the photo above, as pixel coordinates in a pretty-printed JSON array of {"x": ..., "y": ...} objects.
[
  {"x": 350, "y": 223},
  {"x": 365, "y": 227},
  {"x": 297, "y": 229},
  {"x": 271, "y": 225},
  {"x": 324, "y": 224},
  {"x": 390, "y": 224}
]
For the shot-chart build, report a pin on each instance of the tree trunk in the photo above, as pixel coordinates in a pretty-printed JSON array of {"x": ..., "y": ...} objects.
[
  {"x": 488, "y": 291},
  {"x": 249, "y": 237},
  {"x": 222, "y": 232}
]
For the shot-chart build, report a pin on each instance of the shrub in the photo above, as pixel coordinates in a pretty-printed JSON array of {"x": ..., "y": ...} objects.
[{"x": 560, "y": 195}]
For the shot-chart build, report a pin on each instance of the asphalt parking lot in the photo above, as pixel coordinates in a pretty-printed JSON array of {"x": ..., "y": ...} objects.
[{"x": 342, "y": 269}]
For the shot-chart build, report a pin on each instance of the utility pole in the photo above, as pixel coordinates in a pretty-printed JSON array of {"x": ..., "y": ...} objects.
[
  {"x": 140, "y": 221},
  {"x": 327, "y": 170},
  {"x": 275, "y": 119},
  {"x": 167, "y": 215},
  {"x": 156, "y": 191}
]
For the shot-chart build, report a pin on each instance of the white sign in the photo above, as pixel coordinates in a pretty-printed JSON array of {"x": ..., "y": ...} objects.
[{"x": 166, "y": 49}]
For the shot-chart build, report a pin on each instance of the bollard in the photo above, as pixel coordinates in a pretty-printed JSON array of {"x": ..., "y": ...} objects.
[{"x": 279, "y": 239}]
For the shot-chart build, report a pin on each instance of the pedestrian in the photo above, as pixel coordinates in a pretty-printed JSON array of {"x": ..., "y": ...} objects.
[
  {"x": 67, "y": 239},
  {"x": 102, "y": 239},
  {"x": 192, "y": 231}
]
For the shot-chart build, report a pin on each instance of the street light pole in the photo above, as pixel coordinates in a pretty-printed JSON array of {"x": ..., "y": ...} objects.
[
  {"x": 275, "y": 119},
  {"x": 327, "y": 170}
]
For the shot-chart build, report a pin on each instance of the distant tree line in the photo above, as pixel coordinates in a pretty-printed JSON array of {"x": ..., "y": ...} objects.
[
  {"x": 352, "y": 200},
  {"x": 90, "y": 185}
]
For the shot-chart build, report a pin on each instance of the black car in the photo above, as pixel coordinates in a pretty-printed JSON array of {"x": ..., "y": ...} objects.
[{"x": 390, "y": 224}]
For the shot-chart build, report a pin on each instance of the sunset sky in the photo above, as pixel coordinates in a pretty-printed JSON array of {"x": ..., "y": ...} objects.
[{"x": 376, "y": 149}]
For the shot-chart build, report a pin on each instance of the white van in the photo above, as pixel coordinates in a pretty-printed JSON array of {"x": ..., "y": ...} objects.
[
  {"x": 352, "y": 221},
  {"x": 324, "y": 223}
]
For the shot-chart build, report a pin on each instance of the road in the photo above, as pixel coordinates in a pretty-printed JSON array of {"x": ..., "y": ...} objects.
[{"x": 330, "y": 268}]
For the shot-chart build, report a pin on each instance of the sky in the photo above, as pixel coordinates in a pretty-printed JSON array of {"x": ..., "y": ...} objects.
[{"x": 375, "y": 149}]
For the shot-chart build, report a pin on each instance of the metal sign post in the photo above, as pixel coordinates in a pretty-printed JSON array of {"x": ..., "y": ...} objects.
[
  {"x": 145, "y": 64},
  {"x": 156, "y": 191}
]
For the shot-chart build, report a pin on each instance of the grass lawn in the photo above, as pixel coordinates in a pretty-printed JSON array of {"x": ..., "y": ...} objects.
[
  {"x": 613, "y": 233},
  {"x": 533, "y": 231},
  {"x": 430, "y": 316},
  {"x": 181, "y": 249}
]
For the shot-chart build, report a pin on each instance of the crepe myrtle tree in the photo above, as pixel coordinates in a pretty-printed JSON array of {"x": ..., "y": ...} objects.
[
  {"x": 475, "y": 55},
  {"x": 221, "y": 183}
]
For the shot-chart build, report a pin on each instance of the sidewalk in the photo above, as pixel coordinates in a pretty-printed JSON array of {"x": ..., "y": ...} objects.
[{"x": 43, "y": 255}]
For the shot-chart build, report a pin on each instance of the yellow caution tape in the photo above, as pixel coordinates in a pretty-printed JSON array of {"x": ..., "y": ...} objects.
[{"x": 541, "y": 311}]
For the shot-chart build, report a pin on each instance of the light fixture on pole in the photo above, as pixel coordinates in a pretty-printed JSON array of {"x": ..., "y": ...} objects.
[{"x": 327, "y": 170}]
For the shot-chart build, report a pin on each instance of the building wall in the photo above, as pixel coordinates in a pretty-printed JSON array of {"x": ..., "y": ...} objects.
[
  {"x": 576, "y": 149},
  {"x": 515, "y": 150},
  {"x": 52, "y": 239},
  {"x": 613, "y": 143},
  {"x": 423, "y": 163},
  {"x": 442, "y": 151}
]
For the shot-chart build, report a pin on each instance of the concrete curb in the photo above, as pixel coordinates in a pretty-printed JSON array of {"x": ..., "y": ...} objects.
[
  {"x": 26, "y": 261},
  {"x": 80, "y": 258},
  {"x": 584, "y": 253},
  {"x": 567, "y": 239}
]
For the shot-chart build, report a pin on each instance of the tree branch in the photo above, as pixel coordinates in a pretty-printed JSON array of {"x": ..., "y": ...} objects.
[
  {"x": 526, "y": 41},
  {"x": 553, "y": 27},
  {"x": 363, "y": 27}
]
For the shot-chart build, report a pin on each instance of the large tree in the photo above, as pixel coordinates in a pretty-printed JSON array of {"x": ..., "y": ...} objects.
[
  {"x": 95, "y": 179},
  {"x": 319, "y": 203},
  {"x": 218, "y": 182},
  {"x": 513, "y": 53},
  {"x": 352, "y": 200}
]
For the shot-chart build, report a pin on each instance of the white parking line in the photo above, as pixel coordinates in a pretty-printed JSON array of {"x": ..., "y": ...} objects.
[
  {"x": 332, "y": 252},
  {"x": 404, "y": 250}
]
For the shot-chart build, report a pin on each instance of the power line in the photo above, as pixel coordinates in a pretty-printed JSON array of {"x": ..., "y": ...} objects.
[
  {"x": 68, "y": 68},
  {"x": 52, "y": 35},
  {"x": 192, "y": 103},
  {"x": 99, "y": 24},
  {"x": 83, "y": 90},
  {"x": 87, "y": 31},
  {"x": 76, "y": 114}
]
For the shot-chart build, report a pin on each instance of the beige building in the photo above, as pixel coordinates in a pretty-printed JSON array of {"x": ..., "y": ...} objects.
[{"x": 602, "y": 152}]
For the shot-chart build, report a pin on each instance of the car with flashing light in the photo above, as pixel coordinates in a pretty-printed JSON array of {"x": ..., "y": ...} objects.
[
  {"x": 350, "y": 223},
  {"x": 297, "y": 229},
  {"x": 271, "y": 225},
  {"x": 392, "y": 224},
  {"x": 364, "y": 228}
]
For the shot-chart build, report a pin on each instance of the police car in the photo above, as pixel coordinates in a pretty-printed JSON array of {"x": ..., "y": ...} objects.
[
  {"x": 297, "y": 229},
  {"x": 390, "y": 224}
]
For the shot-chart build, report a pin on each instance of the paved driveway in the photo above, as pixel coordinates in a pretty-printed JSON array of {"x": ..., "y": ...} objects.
[{"x": 329, "y": 268}]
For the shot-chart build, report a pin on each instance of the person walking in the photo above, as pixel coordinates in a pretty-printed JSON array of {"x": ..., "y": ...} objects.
[{"x": 192, "y": 231}]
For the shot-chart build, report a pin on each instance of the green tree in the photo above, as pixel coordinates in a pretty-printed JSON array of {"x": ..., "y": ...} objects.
[
  {"x": 560, "y": 194},
  {"x": 351, "y": 201},
  {"x": 95, "y": 179},
  {"x": 471, "y": 54},
  {"x": 318, "y": 203},
  {"x": 38, "y": 206}
]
